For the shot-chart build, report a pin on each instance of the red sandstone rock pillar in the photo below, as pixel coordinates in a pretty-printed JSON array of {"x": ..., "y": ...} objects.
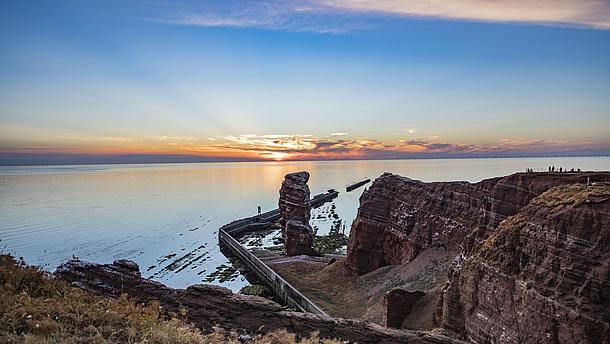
[{"x": 295, "y": 208}]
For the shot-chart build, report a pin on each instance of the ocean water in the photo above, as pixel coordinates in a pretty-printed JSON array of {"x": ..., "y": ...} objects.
[{"x": 166, "y": 216}]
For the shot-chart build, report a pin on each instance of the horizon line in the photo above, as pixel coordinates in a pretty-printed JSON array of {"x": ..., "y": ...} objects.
[{"x": 200, "y": 160}]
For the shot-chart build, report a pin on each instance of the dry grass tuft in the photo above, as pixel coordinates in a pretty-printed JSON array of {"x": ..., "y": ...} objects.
[
  {"x": 513, "y": 223},
  {"x": 36, "y": 308},
  {"x": 555, "y": 198},
  {"x": 574, "y": 194}
]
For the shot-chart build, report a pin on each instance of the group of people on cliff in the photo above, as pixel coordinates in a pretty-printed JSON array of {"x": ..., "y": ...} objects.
[{"x": 552, "y": 169}]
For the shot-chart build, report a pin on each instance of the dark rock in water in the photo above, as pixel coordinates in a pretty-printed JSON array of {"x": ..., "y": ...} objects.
[
  {"x": 211, "y": 306},
  {"x": 398, "y": 217},
  {"x": 295, "y": 212},
  {"x": 542, "y": 277},
  {"x": 397, "y": 304},
  {"x": 128, "y": 266}
]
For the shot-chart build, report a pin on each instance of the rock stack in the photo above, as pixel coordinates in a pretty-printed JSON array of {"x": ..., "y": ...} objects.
[{"x": 295, "y": 208}]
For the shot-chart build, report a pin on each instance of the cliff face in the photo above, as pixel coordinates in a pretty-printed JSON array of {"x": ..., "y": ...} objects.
[
  {"x": 534, "y": 264},
  {"x": 398, "y": 217},
  {"x": 295, "y": 211},
  {"x": 542, "y": 277}
]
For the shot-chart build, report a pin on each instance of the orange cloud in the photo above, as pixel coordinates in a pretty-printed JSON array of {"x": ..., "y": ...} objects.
[{"x": 301, "y": 147}]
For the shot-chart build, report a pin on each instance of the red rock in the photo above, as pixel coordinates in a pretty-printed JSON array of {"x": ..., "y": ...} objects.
[
  {"x": 295, "y": 212},
  {"x": 211, "y": 307},
  {"x": 542, "y": 277},
  {"x": 398, "y": 217},
  {"x": 298, "y": 239},
  {"x": 397, "y": 304},
  {"x": 294, "y": 201}
]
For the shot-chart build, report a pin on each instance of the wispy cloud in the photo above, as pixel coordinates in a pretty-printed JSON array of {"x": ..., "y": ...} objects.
[
  {"x": 215, "y": 21},
  {"x": 338, "y": 134},
  {"x": 288, "y": 15},
  {"x": 340, "y": 16},
  {"x": 591, "y": 13}
]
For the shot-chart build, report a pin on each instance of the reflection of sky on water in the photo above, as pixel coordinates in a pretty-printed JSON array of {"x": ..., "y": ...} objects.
[{"x": 151, "y": 212}]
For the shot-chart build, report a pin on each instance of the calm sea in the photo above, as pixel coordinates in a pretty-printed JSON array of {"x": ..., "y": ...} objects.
[{"x": 166, "y": 216}]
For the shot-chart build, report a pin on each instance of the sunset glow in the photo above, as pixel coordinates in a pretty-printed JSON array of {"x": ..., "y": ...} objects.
[{"x": 301, "y": 80}]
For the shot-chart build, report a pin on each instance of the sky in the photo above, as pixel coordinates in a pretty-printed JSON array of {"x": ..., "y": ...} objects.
[{"x": 182, "y": 81}]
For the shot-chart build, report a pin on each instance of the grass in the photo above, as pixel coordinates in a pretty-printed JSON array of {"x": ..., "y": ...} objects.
[
  {"x": 36, "y": 308},
  {"x": 574, "y": 194},
  {"x": 513, "y": 223},
  {"x": 257, "y": 290}
]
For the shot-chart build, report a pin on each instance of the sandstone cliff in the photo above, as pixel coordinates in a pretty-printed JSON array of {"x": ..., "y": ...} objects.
[
  {"x": 534, "y": 265},
  {"x": 398, "y": 217},
  {"x": 542, "y": 277}
]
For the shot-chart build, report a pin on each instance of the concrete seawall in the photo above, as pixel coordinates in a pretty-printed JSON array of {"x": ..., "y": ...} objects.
[
  {"x": 357, "y": 185},
  {"x": 284, "y": 290}
]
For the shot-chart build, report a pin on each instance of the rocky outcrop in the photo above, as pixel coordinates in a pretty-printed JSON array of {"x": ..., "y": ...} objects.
[
  {"x": 542, "y": 277},
  {"x": 298, "y": 239},
  {"x": 295, "y": 212},
  {"x": 398, "y": 217},
  {"x": 397, "y": 304},
  {"x": 210, "y": 306}
]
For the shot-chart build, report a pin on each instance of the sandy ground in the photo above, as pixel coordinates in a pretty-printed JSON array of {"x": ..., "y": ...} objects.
[{"x": 343, "y": 294}]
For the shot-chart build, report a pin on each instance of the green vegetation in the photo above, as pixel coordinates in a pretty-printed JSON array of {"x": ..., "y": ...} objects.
[
  {"x": 256, "y": 290},
  {"x": 330, "y": 243},
  {"x": 335, "y": 240},
  {"x": 36, "y": 308}
]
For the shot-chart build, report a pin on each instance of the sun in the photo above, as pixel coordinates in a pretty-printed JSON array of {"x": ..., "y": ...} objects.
[{"x": 277, "y": 156}]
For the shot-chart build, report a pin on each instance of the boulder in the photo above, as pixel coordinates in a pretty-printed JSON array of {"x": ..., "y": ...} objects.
[
  {"x": 298, "y": 239},
  {"x": 397, "y": 304}
]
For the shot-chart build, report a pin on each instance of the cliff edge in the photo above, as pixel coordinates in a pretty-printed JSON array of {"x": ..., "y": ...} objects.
[{"x": 399, "y": 217}]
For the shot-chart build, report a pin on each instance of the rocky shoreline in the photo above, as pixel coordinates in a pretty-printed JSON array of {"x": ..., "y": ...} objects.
[{"x": 212, "y": 307}]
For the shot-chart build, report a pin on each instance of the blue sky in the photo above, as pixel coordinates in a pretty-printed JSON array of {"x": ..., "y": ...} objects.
[{"x": 304, "y": 79}]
